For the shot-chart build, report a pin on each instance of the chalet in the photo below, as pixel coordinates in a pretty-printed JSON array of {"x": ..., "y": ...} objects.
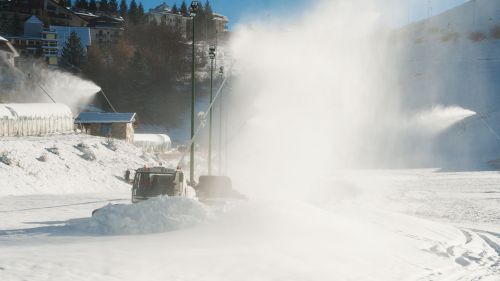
[
  {"x": 48, "y": 11},
  {"x": 106, "y": 30},
  {"x": 111, "y": 125}
]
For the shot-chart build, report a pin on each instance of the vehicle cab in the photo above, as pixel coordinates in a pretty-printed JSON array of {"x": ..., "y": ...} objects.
[{"x": 158, "y": 181}]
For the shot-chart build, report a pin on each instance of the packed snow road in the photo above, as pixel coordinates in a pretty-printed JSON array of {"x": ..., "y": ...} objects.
[{"x": 356, "y": 225}]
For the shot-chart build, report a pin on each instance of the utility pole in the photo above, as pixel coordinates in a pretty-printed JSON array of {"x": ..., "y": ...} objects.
[
  {"x": 193, "y": 10},
  {"x": 221, "y": 73},
  {"x": 211, "y": 54}
]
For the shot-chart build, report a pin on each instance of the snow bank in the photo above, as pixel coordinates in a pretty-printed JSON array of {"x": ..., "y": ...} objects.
[
  {"x": 66, "y": 171},
  {"x": 152, "y": 216},
  {"x": 153, "y": 142}
]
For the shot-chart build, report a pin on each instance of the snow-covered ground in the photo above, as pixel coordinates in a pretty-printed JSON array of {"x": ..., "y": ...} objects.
[
  {"x": 60, "y": 164},
  {"x": 356, "y": 225}
]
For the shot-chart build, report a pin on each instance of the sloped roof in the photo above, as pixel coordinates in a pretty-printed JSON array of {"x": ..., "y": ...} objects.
[
  {"x": 34, "y": 19},
  {"x": 3, "y": 39},
  {"x": 98, "y": 117}
]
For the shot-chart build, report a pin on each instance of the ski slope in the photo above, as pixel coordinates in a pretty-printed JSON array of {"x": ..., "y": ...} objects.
[{"x": 356, "y": 225}]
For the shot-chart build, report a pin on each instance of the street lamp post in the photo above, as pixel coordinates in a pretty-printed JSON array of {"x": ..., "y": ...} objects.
[
  {"x": 192, "y": 11},
  {"x": 221, "y": 73},
  {"x": 211, "y": 54}
]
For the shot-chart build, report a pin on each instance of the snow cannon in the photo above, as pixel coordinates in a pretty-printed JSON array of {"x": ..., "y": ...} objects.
[{"x": 216, "y": 188}]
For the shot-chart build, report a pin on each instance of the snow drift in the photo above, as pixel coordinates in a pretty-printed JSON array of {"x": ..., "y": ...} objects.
[{"x": 155, "y": 215}]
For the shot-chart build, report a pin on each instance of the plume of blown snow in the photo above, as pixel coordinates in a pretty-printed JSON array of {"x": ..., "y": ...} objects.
[
  {"x": 440, "y": 118},
  {"x": 35, "y": 83}
]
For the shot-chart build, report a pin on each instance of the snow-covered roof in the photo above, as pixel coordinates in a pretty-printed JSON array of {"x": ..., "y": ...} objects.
[
  {"x": 163, "y": 7},
  {"x": 98, "y": 117},
  {"x": 152, "y": 138},
  {"x": 27, "y": 110},
  {"x": 3, "y": 39},
  {"x": 220, "y": 17}
]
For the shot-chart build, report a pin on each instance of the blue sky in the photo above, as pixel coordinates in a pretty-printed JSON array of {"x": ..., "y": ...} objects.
[{"x": 239, "y": 10}]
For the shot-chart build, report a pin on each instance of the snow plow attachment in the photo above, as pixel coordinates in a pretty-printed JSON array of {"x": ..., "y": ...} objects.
[{"x": 216, "y": 187}]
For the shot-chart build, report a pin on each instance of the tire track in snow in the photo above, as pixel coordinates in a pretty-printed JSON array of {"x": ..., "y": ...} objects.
[{"x": 478, "y": 258}]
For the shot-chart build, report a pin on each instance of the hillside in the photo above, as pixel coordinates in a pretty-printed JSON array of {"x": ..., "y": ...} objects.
[
  {"x": 35, "y": 168},
  {"x": 454, "y": 58}
]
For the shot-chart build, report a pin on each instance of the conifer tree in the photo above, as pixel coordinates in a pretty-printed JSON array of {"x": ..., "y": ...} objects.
[
  {"x": 138, "y": 76},
  {"x": 16, "y": 27},
  {"x": 82, "y": 5},
  {"x": 4, "y": 25},
  {"x": 92, "y": 6},
  {"x": 123, "y": 8},
  {"x": 113, "y": 7},
  {"x": 184, "y": 10},
  {"x": 104, "y": 6},
  {"x": 73, "y": 53},
  {"x": 175, "y": 10},
  {"x": 140, "y": 13},
  {"x": 133, "y": 12}
]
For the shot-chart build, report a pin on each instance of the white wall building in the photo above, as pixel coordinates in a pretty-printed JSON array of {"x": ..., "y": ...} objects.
[{"x": 34, "y": 119}]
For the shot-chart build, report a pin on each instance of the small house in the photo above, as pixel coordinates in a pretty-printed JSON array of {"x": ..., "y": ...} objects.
[{"x": 111, "y": 125}]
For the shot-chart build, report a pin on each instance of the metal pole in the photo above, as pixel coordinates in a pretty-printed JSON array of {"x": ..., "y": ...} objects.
[
  {"x": 210, "y": 121},
  {"x": 220, "y": 133},
  {"x": 193, "y": 97},
  {"x": 107, "y": 100}
]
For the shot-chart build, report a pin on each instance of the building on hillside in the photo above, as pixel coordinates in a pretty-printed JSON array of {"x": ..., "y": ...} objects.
[
  {"x": 7, "y": 52},
  {"x": 35, "y": 119},
  {"x": 106, "y": 30},
  {"x": 49, "y": 11},
  {"x": 63, "y": 33},
  {"x": 111, "y": 125},
  {"x": 37, "y": 41},
  {"x": 162, "y": 14},
  {"x": 221, "y": 23}
]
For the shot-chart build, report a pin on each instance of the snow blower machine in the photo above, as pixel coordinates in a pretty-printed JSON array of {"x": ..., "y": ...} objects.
[
  {"x": 158, "y": 181},
  {"x": 216, "y": 189}
]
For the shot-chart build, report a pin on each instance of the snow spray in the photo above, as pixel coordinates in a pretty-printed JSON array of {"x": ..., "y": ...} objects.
[
  {"x": 440, "y": 118},
  {"x": 62, "y": 87},
  {"x": 315, "y": 95}
]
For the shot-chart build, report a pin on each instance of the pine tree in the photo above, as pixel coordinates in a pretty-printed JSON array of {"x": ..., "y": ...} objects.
[
  {"x": 104, "y": 6},
  {"x": 113, "y": 7},
  {"x": 140, "y": 13},
  {"x": 133, "y": 12},
  {"x": 82, "y": 5},
  {"x": 123, "y": 8},
  {"x": 175, "y": 10},
  {"x": 184, "y": 10},
  {"x": 92, "y": 6},
  {"x": 138, "y": 77},
  {"x": 209, "y": 20},
  {"x": 4, "y": 25},
  {"x": 73, "y": 53},
  {"x": 16, "y": 27}
]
